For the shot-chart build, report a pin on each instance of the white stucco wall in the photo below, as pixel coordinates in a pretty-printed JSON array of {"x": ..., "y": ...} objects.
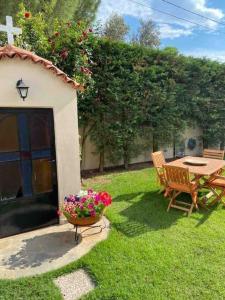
[
  {"x": 91, "y": 160},
  {"x": 47, "y": 91}
]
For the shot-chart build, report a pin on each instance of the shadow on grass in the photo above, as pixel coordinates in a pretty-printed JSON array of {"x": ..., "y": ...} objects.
[
  {"x": 146, "y": 214},
  {"x": 205, "y": 215}
]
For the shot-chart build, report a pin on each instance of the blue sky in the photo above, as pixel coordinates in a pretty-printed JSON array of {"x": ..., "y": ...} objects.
[{"x": 190, "y": 39}]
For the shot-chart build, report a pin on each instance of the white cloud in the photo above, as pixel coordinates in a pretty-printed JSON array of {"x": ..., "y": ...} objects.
[
  {"x": 218, "y": 55},
  {"x": 123, "y": 7},
  {"x": 168, "y": 30}
]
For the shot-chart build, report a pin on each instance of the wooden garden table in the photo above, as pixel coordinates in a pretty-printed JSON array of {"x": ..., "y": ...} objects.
[{"x": 204, "y": 173}]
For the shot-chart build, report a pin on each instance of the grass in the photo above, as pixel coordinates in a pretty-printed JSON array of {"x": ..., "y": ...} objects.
[{"x": 149, "y": 254}]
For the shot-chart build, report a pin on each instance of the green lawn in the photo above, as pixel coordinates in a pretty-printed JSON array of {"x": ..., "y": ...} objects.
[{"x": 149, "y": 254}]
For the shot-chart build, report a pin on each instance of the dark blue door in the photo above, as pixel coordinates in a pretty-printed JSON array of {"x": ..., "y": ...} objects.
[{"x": 28, "y": 180}]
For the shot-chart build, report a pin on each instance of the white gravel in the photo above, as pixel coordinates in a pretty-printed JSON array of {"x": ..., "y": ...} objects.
[{"x": 74, "y": 285}]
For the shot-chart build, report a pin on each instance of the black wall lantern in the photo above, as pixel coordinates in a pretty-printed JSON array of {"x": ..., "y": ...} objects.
[{"x": 22, "y": 89}]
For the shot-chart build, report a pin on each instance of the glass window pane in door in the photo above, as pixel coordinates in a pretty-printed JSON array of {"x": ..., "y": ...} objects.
[
  {"x": 10, "y": 181},
  {"x": 42, "y": 176},
  {"x": 40, "y": 131},
  {"x": 9, "y": 141}
]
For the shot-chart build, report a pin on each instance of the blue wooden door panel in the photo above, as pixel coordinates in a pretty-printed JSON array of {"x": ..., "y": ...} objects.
[
  {"x": 26, "y": 163},
  {"x": 38, "y": 154},
  {"x": 11, "y": 156}
]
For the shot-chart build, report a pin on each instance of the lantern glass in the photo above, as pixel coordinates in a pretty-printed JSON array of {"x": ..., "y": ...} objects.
[{"x": 22, "y": 89}]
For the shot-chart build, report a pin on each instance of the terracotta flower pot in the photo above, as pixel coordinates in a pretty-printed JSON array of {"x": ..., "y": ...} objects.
[{"x": 85, "y": 221}]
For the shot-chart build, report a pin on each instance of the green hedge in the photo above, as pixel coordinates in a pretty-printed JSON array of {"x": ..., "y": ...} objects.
[{"x": 152, "y": 94}]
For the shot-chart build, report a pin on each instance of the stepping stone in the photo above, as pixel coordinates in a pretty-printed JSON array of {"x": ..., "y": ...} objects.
[{"x": 74, "y": 285}]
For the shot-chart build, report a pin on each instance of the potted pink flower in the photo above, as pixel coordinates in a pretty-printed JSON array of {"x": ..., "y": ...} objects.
[{"x": 86, "y": 208}]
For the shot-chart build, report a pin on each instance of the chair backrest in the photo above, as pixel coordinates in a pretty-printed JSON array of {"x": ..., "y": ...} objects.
[
  {"x": 177, "y": 178},
  {"x": 158, "y": 162},
  {"x": 213, "y": 153},
  {"x": 158, "y": 159}
]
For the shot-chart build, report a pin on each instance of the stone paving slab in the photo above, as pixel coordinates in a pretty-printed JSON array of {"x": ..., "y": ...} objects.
[
  {"x": 74, "y": 285},
  {"x": 46, "y": 249}
]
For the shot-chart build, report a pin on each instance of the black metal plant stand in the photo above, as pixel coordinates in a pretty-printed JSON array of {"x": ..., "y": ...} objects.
[{"x": 100, "y": 227}]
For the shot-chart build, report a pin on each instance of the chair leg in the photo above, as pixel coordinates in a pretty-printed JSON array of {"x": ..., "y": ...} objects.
[
  {"x": 218, "y": 197},
  {"x": 171, "y": 201},
  {"x": 194, "y": 197},
  {"x": 190, "y": 210},
  {"x": 221, "y": 199},
  {"x": 167, "y": 192}
]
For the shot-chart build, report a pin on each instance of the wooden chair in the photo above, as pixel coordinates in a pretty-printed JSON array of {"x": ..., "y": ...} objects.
[
  {"x": 216, "y": 154},
  {"x": 213, "y": 153},
  {"x": 158, "y": 162},
  {"x": 178, "y": 181},
  {"x": 217, "y": 187}
]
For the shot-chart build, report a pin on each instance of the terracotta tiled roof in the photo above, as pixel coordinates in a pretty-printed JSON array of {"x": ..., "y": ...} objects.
[{"x": 12, "y": 51}]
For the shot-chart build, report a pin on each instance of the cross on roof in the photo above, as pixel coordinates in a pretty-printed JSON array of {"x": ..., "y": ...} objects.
[{"x": 10, "y": 30}]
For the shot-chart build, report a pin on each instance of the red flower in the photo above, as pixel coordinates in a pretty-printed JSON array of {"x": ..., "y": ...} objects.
[
  {"x": 59, "y": 212},
  {"x": 27, "y": 14},
  {"x": 105, "y": 198},
  {"x": 64, "y": 53},
  {"x": 84, "y": 34},
  {"x": 56, "y": 33},
  {"x": 85, "y": 70},
  {"x": 96, "y": 202}
]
